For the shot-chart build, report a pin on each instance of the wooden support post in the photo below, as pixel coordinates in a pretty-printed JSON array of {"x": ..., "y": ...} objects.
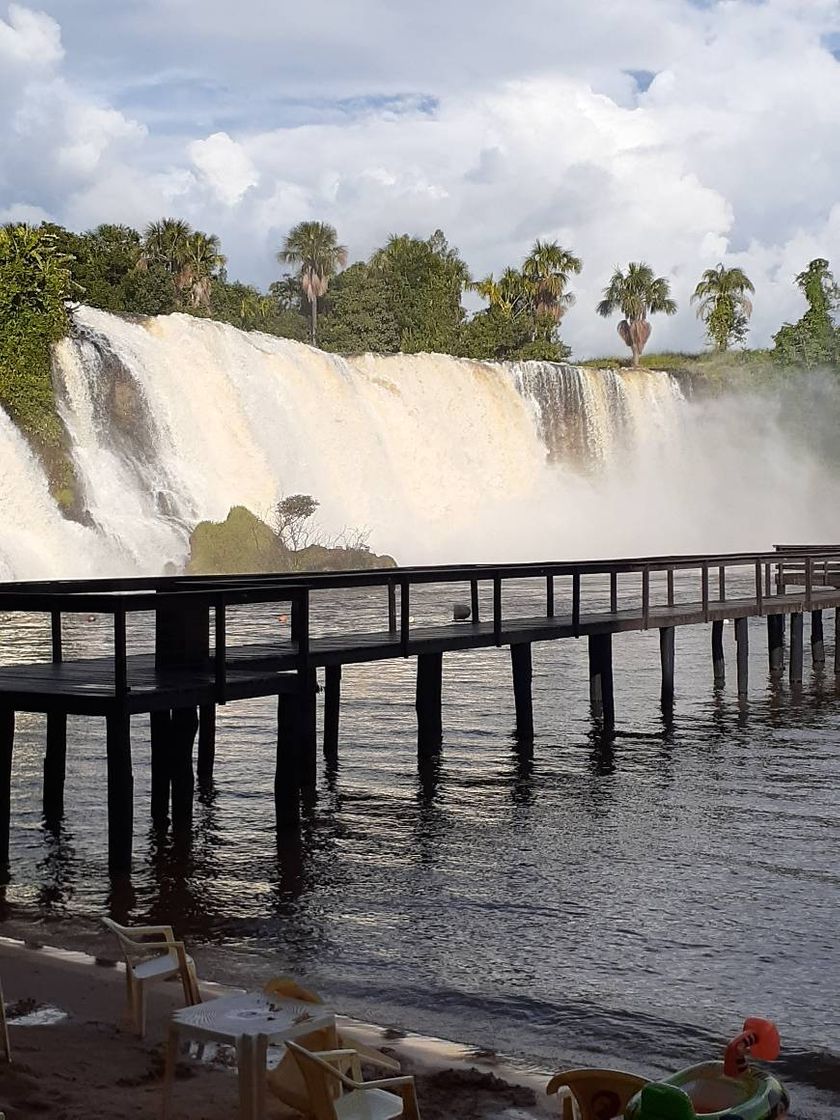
[
  {"x": 666, "y": 657},
  {"x": 796, "y": 648},
  {"x": 184, "y": 728},
  {"x": 718, "y": 659},
  {"x": 120, "y": 791},
  {"x": 332, "y": 708},
  {"x": 776, "y": 642},
  {"x": 206, "y": 744},
  {"x": 428, "y": 703},
  {"x": 307, "y": 730},
  {"x": 601, "y": 679},
  {"x": 837, "y": 640},
  {"x": 55, "y": 761},
  {"x": 817, "y": 640},
  {"x": 161, "y": 735},
  {"x": 520, "y": 658},
  {"x": 286, "y": 775},
  {"x": 742, "y": 641},
  {"x": 7, "y": 741}
]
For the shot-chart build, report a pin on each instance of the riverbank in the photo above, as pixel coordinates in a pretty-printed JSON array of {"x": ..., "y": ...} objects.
[{"x": 74, "y": 1059}]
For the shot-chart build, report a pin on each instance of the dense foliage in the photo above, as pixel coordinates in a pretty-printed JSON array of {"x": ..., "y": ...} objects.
[
  {"x": 35, "y": 284},
  {"x": 815, "y": 339}
]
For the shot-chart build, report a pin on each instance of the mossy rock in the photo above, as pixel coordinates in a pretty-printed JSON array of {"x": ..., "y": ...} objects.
[{"x": 240, "y": 545}]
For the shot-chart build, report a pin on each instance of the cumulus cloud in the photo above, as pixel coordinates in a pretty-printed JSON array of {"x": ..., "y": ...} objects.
[
  {"x": 684, "y": 135},
  {"x": 225, "y": 166}
]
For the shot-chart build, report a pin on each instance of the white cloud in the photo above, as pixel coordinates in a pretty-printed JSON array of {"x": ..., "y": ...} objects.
[
  {"x": 497, "y": 132},
  {"x": 29, "y": 37},
  {"x": 225, "y": 166}
]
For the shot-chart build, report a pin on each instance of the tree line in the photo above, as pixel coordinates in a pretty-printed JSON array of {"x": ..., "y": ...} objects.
[{"x": 407, "y": 296}]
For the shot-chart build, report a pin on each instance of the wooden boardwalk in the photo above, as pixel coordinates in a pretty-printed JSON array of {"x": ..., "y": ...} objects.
[{"x": 182, "y": 681}]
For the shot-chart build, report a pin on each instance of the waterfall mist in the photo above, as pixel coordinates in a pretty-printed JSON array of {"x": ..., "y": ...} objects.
[{"x": 176, "y": 419}]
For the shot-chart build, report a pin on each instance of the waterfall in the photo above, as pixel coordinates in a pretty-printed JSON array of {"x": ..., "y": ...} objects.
[{"x": 175, "y": 419}]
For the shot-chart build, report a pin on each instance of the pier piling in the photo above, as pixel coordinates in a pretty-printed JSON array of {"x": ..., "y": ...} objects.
[
  {"x": 666, "y": 657},
  {"x": 742, "y": 641},
  {"x": 817, "y": 639},
  {"x": 120, "y": 790},
  {"x": 286, "y": 770},
  {"x": 7, "y": 741},
  {"x": 183, "y": 731},
  {"x": 718, "y": 659},
  {"x": 55, "y": 762},
  {"x": 206, "y": 745},
  {"x": 160, "y": 724},
  {"x": 428, "y": 703},
  {"x": 776, "y": 642},
  {"x": 601, "y": 679},
  {"x": 520, "y": 657},
  {"x": 332, "y": 709},
  {"x": 796, "y": 648}
]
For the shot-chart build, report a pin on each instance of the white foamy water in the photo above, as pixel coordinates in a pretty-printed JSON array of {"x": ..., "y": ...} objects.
[{"x": 176, "y": 419}]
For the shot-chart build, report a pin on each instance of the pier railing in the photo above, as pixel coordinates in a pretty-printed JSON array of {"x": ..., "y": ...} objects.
[{"x": 174, "y": 607}]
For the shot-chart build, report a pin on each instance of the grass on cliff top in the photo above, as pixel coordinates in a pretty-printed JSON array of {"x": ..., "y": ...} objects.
[{"x": 716, "y": 370}]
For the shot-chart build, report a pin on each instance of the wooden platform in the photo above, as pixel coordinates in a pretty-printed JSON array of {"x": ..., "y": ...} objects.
[{"x": 190, "y": 672}]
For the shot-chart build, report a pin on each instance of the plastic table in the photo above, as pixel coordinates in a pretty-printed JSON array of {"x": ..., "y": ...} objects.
[{"x": 249, "y": 1022}]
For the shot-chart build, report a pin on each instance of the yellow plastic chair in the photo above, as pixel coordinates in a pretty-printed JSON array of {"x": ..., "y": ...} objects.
[
  {"x": 335, "y": 1089},
  {"x": 600, "y": 1094},
  {"x": 4, "y": 1032},
  {"x": 285, "y": 1081},
  {"x": 152, "y": 953}
]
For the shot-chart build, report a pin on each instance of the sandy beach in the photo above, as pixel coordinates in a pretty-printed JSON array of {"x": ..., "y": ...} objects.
[{"x": 89, "y": 1064}]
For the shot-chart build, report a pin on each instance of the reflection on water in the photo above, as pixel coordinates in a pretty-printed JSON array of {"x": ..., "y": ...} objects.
[{"x": 589, "y": 897}]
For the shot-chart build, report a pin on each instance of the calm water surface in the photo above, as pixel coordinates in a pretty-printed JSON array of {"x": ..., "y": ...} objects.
[{"x": 625, "y": 902}]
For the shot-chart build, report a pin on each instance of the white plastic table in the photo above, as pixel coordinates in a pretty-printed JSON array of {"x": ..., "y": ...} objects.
[{"x": 249, "y": 1022}]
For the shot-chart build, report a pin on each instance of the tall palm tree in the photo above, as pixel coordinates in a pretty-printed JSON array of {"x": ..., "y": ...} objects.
[
  {"x": 202, "y": 260},
  {"x": 723, "y": 304},
  {"x": 314, "y": 248},
  {"x": 165, "y": 244},
  {"x": 509, "y": 294},
  {"x": 546, "y": 271},
  {"x": 636, "y": 293}
]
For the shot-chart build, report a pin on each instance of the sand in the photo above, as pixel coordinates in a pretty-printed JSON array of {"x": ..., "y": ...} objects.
[{"x": 89, "y": 1064}]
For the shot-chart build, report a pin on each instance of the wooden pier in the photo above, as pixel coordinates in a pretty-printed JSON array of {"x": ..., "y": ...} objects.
[{"x": 187, "y": 675}]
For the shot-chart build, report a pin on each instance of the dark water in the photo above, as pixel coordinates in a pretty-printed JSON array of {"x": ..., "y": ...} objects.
[{"x": 625, "y": 902}]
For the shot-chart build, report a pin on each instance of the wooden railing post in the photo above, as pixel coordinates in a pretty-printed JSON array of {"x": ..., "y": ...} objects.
[
  {"x": 392, "y": 607},
  {"x": 704, "y": 588},
  {"x": 120, "y": 659},
  {"x": 576, "y": 604},
  {"x": 405, "y": 615},
  {"x": 549, "y": 596},
  {"x": 722, "y": 583},
  {"x": 474, "y": 607},
  {"x": 613, "y": 592},
  {"x": 759, "y": 589},
  {"x": 497, "y": 609},
  {"x": 220, "y": 653},
  {"x": 645, "y": 597},
  {"x": 670, "y": 587}
]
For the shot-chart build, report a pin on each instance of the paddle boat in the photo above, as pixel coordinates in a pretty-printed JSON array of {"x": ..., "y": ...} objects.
[{"x": 727, "y": 1090}]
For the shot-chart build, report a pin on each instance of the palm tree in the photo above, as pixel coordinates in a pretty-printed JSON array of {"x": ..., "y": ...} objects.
[
  {"x": 636, "y": 294},
  {"x": 723, "y": 304},
  {"x": 509, "y": 294},
  {"x": 202, "y": 260},
  {"x": 165, "y": 244},
  {"x": 313, "y": 246},
  {"x": 546, "y": 272}
]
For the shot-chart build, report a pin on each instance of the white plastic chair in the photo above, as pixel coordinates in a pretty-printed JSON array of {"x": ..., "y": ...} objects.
[
  {"x": 152, "y": 953},
  {"x": 4, "y": 1033},
  {"x": 336, "y": 1095}
]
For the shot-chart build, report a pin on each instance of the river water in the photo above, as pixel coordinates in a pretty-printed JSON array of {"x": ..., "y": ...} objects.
[{"x": 625, "y": 902}]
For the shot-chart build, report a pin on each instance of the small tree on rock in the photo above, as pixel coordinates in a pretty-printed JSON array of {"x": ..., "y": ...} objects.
[{"x": 293, "y": 518}]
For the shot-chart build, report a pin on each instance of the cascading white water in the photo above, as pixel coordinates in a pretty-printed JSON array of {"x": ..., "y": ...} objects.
[{"x": 176, "y": 419}]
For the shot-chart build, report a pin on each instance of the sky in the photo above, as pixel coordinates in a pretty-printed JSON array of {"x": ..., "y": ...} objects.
[{"x": 680, "y": 132}]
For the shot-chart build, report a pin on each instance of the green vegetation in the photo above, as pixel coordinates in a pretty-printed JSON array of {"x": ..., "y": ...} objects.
[
  {"x": 723, "y": 305},
  {"x": 314, "y": 247},
  {"x": 636, "y": 293},
  {"x": 525, "y": 309},
  {"x": 815, "y": 339},
  {"x": 243, "y": 544},
  {"x": 35, "y": 284}
]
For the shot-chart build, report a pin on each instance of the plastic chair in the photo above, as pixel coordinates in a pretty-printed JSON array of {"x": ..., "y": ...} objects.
[
  {"x": 335, "y": 1089},
  {"x": 286, "y": 1081},
  {"x": 600, "y": 1094},
  {"x": 152, "y": 953},
  {"x": 4, "y": 1032}
]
